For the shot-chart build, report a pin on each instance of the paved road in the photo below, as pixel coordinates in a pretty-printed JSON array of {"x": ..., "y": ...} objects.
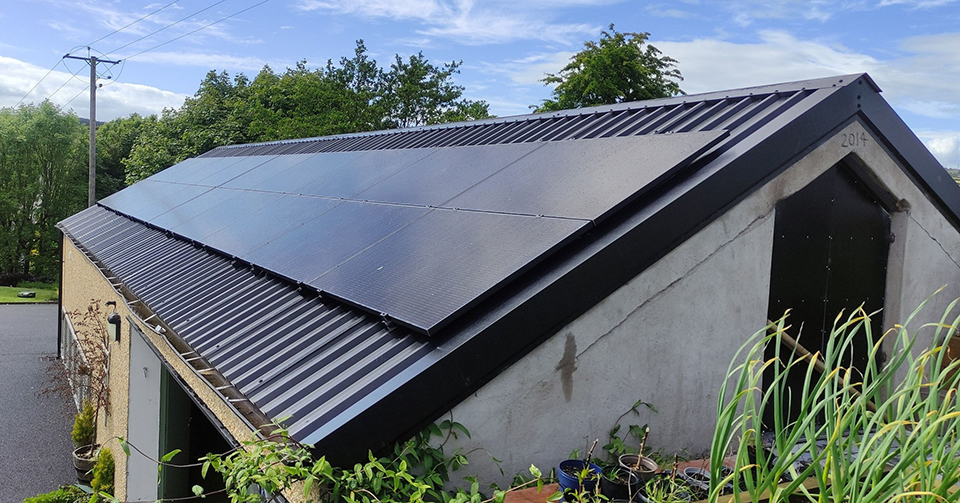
[{"x": 35, "y": 440}]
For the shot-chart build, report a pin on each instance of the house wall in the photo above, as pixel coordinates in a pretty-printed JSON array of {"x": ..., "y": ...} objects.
[
  {"x": 84, "y": 284},
  {"x": 668, "y": 335}
]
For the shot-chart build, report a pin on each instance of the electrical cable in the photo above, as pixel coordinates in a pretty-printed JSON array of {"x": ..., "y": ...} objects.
[
  {"x": 118, "y": 30},
  {"x": 74, "y": 97},
  {"x": 35, "y": 86},
  {"x": 74, "y": 76},
  {"x": 167, "y": 26},
  {"x": 198, "y": 29}
]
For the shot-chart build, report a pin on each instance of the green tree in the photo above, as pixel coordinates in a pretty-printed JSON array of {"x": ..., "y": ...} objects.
[
  {"x": 353, "y": 95},
  {"x": 418, "y": 93},
  {"x": 620, "y": 67},
  {"x": 42, "y": 180},
  {"x": 115, "y": 140}
]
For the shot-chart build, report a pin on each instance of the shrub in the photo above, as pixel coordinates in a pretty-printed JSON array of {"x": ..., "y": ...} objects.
[
  {"x": 103, "y": 474},
  {"x": 65, "y": 494},
  {"x": 84, "y": 429}
]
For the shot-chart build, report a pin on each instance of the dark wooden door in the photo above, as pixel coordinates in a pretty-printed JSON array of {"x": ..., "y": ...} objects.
[{"x": 830, "y": 252}]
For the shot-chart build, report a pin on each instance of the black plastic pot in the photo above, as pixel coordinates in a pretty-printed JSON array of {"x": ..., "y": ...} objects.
[{"x": 618, "y": 483}]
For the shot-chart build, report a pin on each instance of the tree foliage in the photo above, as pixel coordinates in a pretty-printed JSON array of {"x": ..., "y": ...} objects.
[
  {"x": 353, "y": 95},
  {"x": 42, "y": 180},
  {"x": 43, "y": 151},
  {"x": 620, "y": 67}
]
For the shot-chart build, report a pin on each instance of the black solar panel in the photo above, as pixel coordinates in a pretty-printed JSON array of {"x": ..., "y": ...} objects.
[
  {"x": 232, "y": 207},
  {"x": 433, "y": 269},
  {"x": 585, "y": 179},
  {"x": 149, "y": 198},
  {"x": 357, "y": 174},
  {"x": 258, "y": 228},
  {"x": 192, "y": 170},
  {"x": 267, "y": 171},
  {"x": 318, "y": 245},
  {"x": 446, "y": 172}
]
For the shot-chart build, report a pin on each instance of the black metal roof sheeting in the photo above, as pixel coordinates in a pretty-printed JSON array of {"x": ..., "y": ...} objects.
[
  {"x": 741, "y": 112},
  {"x": 290, "y": 354},
  {"x": 768, "y": 127}
]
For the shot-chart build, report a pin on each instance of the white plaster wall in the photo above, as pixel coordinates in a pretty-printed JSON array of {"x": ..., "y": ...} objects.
[{"x": 668, "y": 335}]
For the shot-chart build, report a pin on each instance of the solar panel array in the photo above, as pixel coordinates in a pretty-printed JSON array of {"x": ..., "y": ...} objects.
[{"x": 417, "y": 235}]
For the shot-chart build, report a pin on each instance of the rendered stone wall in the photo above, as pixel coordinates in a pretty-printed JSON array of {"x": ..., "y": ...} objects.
[
  {"x": 668, "y": 335},
  {"x": 83, "y": 283}
]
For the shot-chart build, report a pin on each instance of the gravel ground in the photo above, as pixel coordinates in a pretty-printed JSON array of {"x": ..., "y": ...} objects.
[{"x": 35, "y": 443}]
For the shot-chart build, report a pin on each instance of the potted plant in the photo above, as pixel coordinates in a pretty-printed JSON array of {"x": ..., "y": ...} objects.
[
  {"x": 642, "y": 465},
  {"x": 665, "y": 488},
  {"x": 619, "y": 483},
  {"x": 578, "y": 475},
  {"x": 84, "y": 373},
  {"x": 84, "y": 438}
]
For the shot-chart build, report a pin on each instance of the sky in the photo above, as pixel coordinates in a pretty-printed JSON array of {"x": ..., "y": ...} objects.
[{"x": 911, "y": 48}]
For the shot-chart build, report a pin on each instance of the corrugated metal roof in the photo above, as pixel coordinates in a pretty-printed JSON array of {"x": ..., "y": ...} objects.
[
  {"x": 336, "y": 369},
  {"x": 290, "y": 354},
  {"x": 739, "y": 113}
]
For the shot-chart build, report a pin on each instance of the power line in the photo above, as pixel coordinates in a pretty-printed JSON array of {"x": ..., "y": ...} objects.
[
  {"x": 73, "y": 76},
  {"x": 118, "y": 30},
  {"x": 167, "y": 26},
  {"x": 35, "y": 86},
  {"x": 74, "y": 97},
  {"x": 198, "y": 29}
]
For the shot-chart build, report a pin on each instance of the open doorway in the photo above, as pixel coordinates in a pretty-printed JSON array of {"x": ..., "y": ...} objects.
[
  {"x": 164, "y": 416},
  {"x": 184, "y": 426}
]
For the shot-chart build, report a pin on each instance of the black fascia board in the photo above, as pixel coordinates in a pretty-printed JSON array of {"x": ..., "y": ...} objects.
[
  {"x": 512, "y": 322},
  {"x": 914, "y": 158}
]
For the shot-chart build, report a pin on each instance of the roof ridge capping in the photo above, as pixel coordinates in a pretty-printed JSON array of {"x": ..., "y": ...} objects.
[{"x": 798, "y": 85}]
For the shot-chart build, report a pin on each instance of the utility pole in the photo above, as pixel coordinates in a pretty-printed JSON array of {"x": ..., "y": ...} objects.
[{"x": 92, "y": 175}]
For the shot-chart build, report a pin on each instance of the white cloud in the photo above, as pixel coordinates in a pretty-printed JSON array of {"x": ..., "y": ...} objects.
[
  {"x": 918, "y": 4},
  {"x": 945, "y": 146},
  {"x": 113, "y": 100},
  {"x": 488, "y": 28},
  {"x": 922, "y": 81},
  {"x": 710, "y": 64},
  {"x": 468, "y": 22},
  {"x": 396, "y": 9},
  {"x": 208, "y": 61},
  {"x": 526, "y": 71}
]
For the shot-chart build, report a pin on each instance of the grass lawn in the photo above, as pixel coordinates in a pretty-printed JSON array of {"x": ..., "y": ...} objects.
[{"x": 45, "y": 292}]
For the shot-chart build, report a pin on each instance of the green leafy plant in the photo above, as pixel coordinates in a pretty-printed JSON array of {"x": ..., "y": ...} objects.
[
  {"x": 666, "y": 490},
  {"x": 416, "y": 472},
  {"x": 84, "y": 428},
  {"x": 103, "y": 473},
  {"x": 618, "y": 445},
  {"x": 64, "y": 494},
  {"x": 887, "y": 433}
]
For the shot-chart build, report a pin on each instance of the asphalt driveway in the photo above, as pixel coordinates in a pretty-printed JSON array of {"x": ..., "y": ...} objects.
[{"x": 35, "y": 440}]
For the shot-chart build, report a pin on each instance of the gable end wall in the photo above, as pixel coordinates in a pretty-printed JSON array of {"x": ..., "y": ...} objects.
[{"x": 667, "y": 336}]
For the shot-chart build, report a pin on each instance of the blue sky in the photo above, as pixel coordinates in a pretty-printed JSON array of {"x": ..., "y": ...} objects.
[{"x": 910, "y": 47}]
